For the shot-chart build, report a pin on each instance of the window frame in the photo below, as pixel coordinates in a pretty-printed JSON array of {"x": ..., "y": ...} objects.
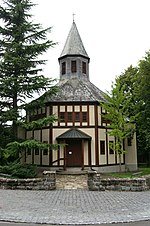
[
  {"x": 63, "y": 68},
  {"x": 73, "y": 66},
  {"x": 111, "y": 151},
  {"x": 102, "y": 147},
  {"x": 84, "y": 67}
]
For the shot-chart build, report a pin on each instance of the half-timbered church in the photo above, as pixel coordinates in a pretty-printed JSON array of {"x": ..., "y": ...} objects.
[{"x": 81, "y": 125}]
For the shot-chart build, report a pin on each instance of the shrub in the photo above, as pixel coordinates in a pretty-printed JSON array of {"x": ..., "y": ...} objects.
[{"x": 19, "y": 170}]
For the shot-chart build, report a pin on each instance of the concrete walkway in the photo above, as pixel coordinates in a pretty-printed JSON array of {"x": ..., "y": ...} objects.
[{"x": 73, "y": 206}]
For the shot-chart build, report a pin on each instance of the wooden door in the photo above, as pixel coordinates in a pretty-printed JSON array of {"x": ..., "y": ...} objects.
[{"x": 74, "y": 153}]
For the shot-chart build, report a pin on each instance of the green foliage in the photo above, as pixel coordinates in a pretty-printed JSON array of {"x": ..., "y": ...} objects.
[
  {"x": 122, "y": 124},
  {"x": 15, "y": 150},
  {"x": 141, "y": 172},
  {"x": 22, "y": 42},
  {"x": 38, "y": 124},
  {"x": 136, "y": 82},
  {"x": 19, "y": 170}
]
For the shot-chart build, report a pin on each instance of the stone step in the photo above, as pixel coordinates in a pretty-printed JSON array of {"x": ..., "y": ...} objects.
[{"x": 71, "y": 181}]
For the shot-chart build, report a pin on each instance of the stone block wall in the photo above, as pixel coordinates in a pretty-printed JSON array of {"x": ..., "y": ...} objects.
[
  {"x": 46, "y": 183},
  {"x": 97, "y": 183}
]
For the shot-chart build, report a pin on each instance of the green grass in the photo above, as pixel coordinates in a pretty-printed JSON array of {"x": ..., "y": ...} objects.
[{"x": 142, "y": 172}]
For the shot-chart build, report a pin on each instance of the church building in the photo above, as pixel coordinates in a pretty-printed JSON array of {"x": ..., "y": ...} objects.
[{"x": 81, "y": 125}]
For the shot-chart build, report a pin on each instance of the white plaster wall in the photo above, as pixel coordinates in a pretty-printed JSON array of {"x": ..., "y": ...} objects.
[
  {"x": 131, "y": 155},
  {"x": 62, "y": 108},
  {"x": 29, "y": 158},
  {"x": 36, "y": 159},
  {"x": 48, "y": 110},
  {"x": 45, "y": 135},
  {"x": 45, "y": 159},
  {"x": 86, "y": 153},
  {"x": 102, "y": 136},
  {"x": 55, "y": 112},
  {"x": 91, "y": 132},
  {"x": 91, "y": 115},
  {"x": 29, "y": 134},
  {"x": 77, "y": 108},
  {"x": 69, "y": 108},
  {"x": 84, "y": 108},
  {"x": 37, "y": 134},
  {"x": 99, "y": 115}
]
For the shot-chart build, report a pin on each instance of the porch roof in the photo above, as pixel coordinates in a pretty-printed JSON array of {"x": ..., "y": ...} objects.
[{"x": 74, "y": 134}]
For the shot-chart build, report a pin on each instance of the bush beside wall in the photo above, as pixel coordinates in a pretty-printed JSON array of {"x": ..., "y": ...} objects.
[{"x": 46, "y": 183}]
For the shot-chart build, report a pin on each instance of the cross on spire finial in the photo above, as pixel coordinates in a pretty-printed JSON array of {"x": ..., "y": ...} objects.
[{"x": 73, "y": 16}]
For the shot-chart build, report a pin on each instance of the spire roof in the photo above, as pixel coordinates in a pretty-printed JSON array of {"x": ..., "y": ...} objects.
[{"x": 74, "y": 45}]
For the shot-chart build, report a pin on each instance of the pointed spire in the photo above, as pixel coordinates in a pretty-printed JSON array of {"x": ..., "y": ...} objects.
[
  {"x": 73, "y": 16},
  {"x": 74, "y": 45}
]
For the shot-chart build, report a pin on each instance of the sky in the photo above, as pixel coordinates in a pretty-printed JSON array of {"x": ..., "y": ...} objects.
[{"x": 115, "y": 34}]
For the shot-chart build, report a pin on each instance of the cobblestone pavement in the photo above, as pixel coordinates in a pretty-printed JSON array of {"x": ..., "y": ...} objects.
[{"x": 73, "y": 206}]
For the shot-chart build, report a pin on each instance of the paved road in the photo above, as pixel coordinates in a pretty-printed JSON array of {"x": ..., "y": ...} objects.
[
  {"x": 74, "y": 206},
  {"x": 138, "y": 223}
]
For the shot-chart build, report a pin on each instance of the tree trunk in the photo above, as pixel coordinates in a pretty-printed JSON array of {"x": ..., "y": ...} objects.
[
  {"x": 14, "y": 125},
  {"x": 120, "y": 163}
]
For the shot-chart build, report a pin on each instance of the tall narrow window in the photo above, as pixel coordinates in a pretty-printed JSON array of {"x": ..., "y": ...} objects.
[
  {"x": 62, "y": 116},
  {"x": 36, "y": 151},
  {"x": 84, "y": 116},
  {"x": 69, "y": 116},
  {"x": 77, "y": 116},
  {"x": 63, "y": 68},
  {"x": 83, "y": 67},
  {"x": 129, "y": 141},
  {"x": 102, "y": 147},
  {"x": 73, "y": 66},
  {"x": 111, "y": 144}
]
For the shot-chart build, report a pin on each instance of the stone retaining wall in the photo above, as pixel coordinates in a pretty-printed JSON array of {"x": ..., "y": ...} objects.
[
  {"x": 46, "y": 183},
  {"x": 97, "y": 183}
]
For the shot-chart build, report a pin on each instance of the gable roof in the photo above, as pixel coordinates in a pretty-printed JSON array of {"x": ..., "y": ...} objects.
[
  {"x": 74, "y": 134},
  {"x": 74, "y": 45}
]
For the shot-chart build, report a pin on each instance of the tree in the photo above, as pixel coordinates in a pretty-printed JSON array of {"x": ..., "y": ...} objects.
[
  {"x": 22, "y": 43},
  {"x": 136, "y": 82},
  {"x": 144, "y": 116},
  {"x": 121, "y": 125}
]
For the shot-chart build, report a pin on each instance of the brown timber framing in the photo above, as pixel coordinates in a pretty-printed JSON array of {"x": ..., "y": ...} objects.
[
  {"x": 96, "y": 134},
  {"x": 50, "y": 137},
  {"x": 106, "y": 147},
  {"x": 89, "y": 152},
  {"x": 82, "y": 154}
]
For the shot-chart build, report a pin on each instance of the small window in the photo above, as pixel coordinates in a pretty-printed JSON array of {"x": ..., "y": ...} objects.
[
  {"x": 83, "y": 67},
  {"x": 36, "y": 151},
  {"x": 45, "y": 152},
  {"x": 77, "y": 116},
  {"x": 111, "y": 144},
  {"x": 28, "y": 151},
  {"x": 102, "y": 147},
  {"x": 84, "y": 116},
  {"x": 62, "y": 116},
  {"x": 73, "y": 66},
  {"x": 69, "y": 116},
  {"x": 129, "y": 140},
  {"x": 63, "y": 68}
]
